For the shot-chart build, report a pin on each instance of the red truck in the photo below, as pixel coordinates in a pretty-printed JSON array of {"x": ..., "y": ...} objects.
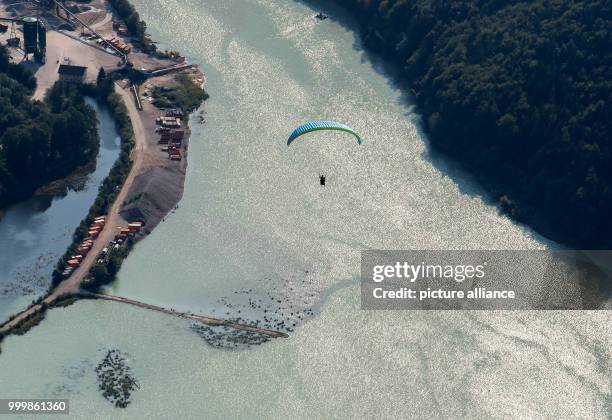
[{"x": 173, "y": 136}]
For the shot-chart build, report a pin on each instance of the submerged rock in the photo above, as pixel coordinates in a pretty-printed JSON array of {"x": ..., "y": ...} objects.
[
  {"x": 229, "y": 338},
  {"x": 115, "y": 380}
]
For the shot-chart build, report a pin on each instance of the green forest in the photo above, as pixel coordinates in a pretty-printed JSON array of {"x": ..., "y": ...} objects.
[
  {"x": 518, "y": 92},
  {"x": 40, "y": 141}
]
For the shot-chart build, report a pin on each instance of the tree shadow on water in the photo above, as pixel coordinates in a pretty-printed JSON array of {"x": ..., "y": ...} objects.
[{"x": 446, "y": 165}]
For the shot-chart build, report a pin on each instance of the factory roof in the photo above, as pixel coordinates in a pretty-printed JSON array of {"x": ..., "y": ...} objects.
[{"x": 72, "y": 70}]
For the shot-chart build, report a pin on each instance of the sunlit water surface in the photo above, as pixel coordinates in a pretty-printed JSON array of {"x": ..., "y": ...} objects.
[{"x": 255, "y": 223}]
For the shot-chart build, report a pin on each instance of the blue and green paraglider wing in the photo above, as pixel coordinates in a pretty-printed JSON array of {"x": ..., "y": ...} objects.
[{"x": 321, "y": 125}]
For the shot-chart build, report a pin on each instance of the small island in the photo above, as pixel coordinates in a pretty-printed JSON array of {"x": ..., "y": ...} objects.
[{"x": 115, "y": 379}]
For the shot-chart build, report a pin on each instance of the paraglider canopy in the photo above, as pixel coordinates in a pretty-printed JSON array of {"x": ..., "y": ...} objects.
[{"x": 321, "y": 125}]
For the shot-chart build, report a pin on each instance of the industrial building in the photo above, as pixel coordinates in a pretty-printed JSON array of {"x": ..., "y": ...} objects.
[
  {"x": 34, "y": 36},
  {"x": 72, "y": 74}
]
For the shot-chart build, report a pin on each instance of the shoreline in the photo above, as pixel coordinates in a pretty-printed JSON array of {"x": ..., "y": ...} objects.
[
  {"x": 57, "y": 187},
  {"x": 459, "y": 132},
  {"x": 152, "y": 178}
]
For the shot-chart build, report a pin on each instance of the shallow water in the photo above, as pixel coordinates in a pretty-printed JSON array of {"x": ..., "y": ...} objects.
[
  {"x": 253, "y": 214},
  {"x": 35, "y": 233},
  {"x": 255, "y": 224},
  {"x": 345, "y": 363}
]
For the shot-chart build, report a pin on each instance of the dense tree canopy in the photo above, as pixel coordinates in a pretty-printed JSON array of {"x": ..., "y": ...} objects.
[
  {"x": 39, "y": 141},
  {"x": 520, "y": 92}
]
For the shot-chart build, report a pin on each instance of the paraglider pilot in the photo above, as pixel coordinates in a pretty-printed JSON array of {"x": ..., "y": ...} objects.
[{"x": 322, "y": 179}]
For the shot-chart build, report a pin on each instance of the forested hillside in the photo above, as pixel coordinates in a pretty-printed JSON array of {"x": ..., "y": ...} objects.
[
  {"x": 518, "y": 91},
  {"x": 40, "y": 142}
]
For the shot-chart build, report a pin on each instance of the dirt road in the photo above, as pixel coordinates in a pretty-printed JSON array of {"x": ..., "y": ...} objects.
[
  {"x": 66, "y": 50},
  {"x": 113, "y": 220},
  {"x": 72, "y": 285},
  {"x": 215, "y": 322}
]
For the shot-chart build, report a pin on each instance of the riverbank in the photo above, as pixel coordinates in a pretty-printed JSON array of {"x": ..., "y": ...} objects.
[
  {"x": 42, "y": 142},
  {"x": 159, "y": 184},
  {"x": 34, "y": 234},
  {"x": 527, "y": 118},
  {"x": 145, "y": 184},
  {"x": 255, "y": 227}
]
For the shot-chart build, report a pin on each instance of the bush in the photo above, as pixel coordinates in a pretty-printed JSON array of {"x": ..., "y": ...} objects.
[{"x": 185, "y": 94}]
